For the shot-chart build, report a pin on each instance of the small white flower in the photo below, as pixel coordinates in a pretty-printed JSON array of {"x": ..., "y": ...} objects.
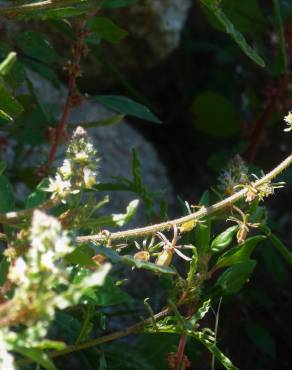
[
  {"x": 66, "y": 169},
  {"x": 288, "y": 120},
  {"x": 58, "y": 186},
  {"x": 89, "y": 178},
  {"x": 18, "y": 272},
  {"x": 81, "y": 157}
]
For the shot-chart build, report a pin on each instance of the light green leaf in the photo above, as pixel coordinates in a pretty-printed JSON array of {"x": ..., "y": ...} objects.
[
  {"x": 127, "y": 106},
  {"x": 223, "y": 240},
  {"x": 233, "y": 33},
  {"x": 107, "y": 29},
  {"x": 233, "y": 279},
  {"x": 201, "y": 312},
  {"x": 35, "y": 45},
  {"x": 5, "y": 116}
]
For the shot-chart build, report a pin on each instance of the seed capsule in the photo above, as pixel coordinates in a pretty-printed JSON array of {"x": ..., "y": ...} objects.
[
  {"x": 164, "y": 258},
  {"x": 241, "y": 234},
  {"x": 142, "y": 256}
]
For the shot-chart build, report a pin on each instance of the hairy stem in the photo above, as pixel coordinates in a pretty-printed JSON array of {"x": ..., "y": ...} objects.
[{"x": 203, "y": 212}]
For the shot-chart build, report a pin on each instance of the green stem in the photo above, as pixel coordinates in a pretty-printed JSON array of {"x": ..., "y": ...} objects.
[
  {"x": 280, "y": 31},
  {"x": 282, "y": 249}
]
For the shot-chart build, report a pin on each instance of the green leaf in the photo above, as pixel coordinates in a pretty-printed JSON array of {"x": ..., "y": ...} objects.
[
  {"x": 38, "y": 356},
  {"x": 261, "y": 338},
  {"x": 211, "y": 346},
  {"x": 7, "y": 64},
  {"x": 39, "y": 195},
  {"x": 107, "y": 29},
  {"x": 201, "y": 312},
  {"x": 233, "y": 33},
  {"x": 9, "y": 106},
  {"x": 127, "y": 106},
  {"x": 215, "y": 115},
  {"x": 114, "y": 257},
  {"x": 202, "y": 235},
  {"x": 80, "y": 257},
  {"x": 116, "y": 3},
  {"x": 5, "y": 116},
  {"x": 4, "y": 267},
  {"x": 36, "y": 46},
  {"x": 6, "y": 195},
  {"x": 240, "y": 253},
  {"x": 233, "y": 279},
  {"x": 223, "y": 240}
]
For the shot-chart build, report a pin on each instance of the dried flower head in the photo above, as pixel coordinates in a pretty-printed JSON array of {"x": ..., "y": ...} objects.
[{"x": 235, "y": 173}]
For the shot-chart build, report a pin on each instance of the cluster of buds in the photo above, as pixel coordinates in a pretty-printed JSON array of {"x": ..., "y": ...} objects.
[
  {"x": 235, "y": 173},
  {"x": 262, "y": 191},
  {"x": 79, "y": 169}
]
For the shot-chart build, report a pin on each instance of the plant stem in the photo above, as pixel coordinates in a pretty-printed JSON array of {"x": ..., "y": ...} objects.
[
  {"x": 281, "y": 36},
  {"x": 203, "y": 212},
  {"x": 104, "y": 339}
]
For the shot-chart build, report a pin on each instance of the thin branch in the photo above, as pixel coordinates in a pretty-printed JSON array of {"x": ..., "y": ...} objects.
[
  {"x": 203, "y": 212},
  {"x": 104, "y": 339}
]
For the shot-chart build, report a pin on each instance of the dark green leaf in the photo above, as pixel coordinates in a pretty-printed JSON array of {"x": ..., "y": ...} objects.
[
  {"x": 8, "y": 104},
  {"x": 107, "y": 29},
  {"x": 240, "y": 253},
  {"x": 262, "y": 339},
  {"x": 115, "y": 3},
  {"x": 35, "y": 45},
  {"x": 233, "y": 279},
  {"x": 215, "y": 115},
  {"x": 223, "y": 240},
  {"x": 127, "y": 106},
  {"x": 6, "y": 195},
  {"x": 4, "y": 267},
  {"x": 80, "y": 257}
]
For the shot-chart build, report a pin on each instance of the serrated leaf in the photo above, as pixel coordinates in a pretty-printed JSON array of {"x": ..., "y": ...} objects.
[
  {"x": 6, "y": 195},
  {"x": 232, "y": 280},
  {"x": 239, "y": 253},
  {"x": 233, "y": 33},
  {"x": 107, "y": 29},
  {"x": 127, "y": 106},
  {"x": 223, "y": 240},
  {"x": 36, "y": 46}
]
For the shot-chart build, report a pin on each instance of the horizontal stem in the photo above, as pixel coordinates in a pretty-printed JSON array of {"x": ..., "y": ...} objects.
[{"x": 203, "y": 212}]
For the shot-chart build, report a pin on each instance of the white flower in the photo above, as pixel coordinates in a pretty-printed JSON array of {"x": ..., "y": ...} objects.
[
  {"x": 58, "y": 186},
  {"x": 81, "y": 157},
  {"x": 288, "y": 120},
  {"x": 18, "y": 272},
  {"x": 66, "y": 169},
  {"x": 89, "y": 178},
  {"x": 6, "y": 359}
]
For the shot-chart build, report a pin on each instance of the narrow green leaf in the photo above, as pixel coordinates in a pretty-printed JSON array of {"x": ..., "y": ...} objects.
[
  {"x": 240, "y": 253},
  {"x": 233, "y": 279},
  {"x": 107, "y": 29},
  {"x": 211, "y": 346},
  {"x": 201, "y": 312},
  {"x": 5, "y": 116},
  {"x": 223, "y": 240},
  {"x": 127, "y": 106},
  {"x": 35, "y": 45},
  {"x": 233, "y": 33}
]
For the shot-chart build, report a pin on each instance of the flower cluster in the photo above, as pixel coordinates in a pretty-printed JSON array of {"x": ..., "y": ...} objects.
[
  {"x": 37, "y": 277},
  {"x": 288, "y": 120},
  {"x": 79, "y": 169},
  {"x": 235, "y": 173}
]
